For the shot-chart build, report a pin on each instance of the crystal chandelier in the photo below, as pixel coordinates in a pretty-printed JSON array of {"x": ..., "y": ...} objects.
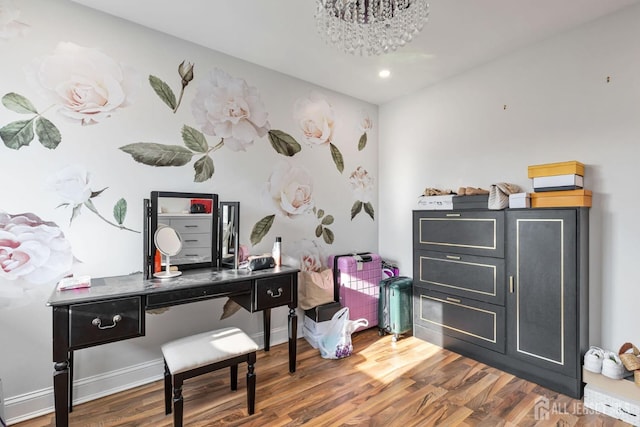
[{"x": 370, "y": 27}]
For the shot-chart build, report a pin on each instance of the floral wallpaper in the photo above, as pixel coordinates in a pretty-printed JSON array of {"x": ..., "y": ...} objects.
[{"x": 75, "y": 85}]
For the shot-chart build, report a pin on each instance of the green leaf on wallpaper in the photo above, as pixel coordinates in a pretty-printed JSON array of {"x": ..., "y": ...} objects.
[
  {"x": 97, "y": 193},
  {"x": 48, "y": 133},
  {"x": 320, "y": 213},
  {"x": 368, "y": 208},
  {"x": 18, "y": 103},
  {"x": 204, "y": 169},
  {"x": 337, "y": 157},
  {"x": 356, "y": 208},
  {"x": 120, "y": 211},
  {"x": 17, "y": 134},
  {"x": 362, "y": 142},
  {"x": 152, "y": 154},
  {"x": 75, "y": 212},
  {"x": 261, "y": 228},
  {"x": 327, "y": 220},
  {"x": 328, "y": 236},
  {"x": 194, "y": 139},
  {"x": 319, "y": 230},
  {"x": 284, "y": 143},
  {"x": 163, "y": 91}
]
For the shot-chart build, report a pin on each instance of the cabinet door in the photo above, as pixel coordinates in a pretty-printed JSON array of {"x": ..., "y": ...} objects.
[{"x": 542, "y": 288}]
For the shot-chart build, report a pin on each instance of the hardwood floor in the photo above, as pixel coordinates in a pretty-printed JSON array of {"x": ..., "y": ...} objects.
[{"x": 408, "y": 383}]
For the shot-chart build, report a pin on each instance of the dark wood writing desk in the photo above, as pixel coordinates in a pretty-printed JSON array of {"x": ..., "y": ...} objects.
[{"x": 113, "y": 309}]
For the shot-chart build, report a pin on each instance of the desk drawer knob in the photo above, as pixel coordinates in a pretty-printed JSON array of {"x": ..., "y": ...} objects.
[
  {"x": 97, "y": 322},
  {"x": 272, "y": 295}
]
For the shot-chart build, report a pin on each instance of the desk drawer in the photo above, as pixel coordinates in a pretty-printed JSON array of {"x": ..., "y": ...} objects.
[
  {"x": 106, "y": 321},
  {"x": 273, "y": 292}
]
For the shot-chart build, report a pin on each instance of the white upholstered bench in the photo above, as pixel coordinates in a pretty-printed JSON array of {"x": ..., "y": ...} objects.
[{"x": 206, "y": 352}]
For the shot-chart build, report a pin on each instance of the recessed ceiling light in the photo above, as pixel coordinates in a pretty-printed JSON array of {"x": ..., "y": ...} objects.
[{"x": 384, "y": 74}]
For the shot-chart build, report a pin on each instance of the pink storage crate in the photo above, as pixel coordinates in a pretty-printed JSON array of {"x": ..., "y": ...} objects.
[{"x": 357, "y": 284}]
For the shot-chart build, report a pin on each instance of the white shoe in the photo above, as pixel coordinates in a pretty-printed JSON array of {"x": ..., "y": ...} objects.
[
  {"x": 593, "y": 359},
  {"x": 612, "y": 366}
]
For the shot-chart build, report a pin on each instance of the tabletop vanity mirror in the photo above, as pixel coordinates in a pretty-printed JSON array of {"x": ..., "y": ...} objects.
[
  {"x": 194, "y": 216},
  {"x": 169, "y": 243},
  {"x": 229, "y": 234}
]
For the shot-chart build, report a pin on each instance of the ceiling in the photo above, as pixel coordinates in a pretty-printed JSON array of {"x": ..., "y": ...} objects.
[{"x": 281, "y": 35}]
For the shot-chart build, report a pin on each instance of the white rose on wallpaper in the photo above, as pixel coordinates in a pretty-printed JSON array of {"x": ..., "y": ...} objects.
[
  {"x": 73, "y": 186},
  {"x": 362, "y": 186},
  {"x": 10, "y": 27},
  {"x": 315, "y": 118},
  {"x": 227, "y": 107},
  {"x": 86, "y": 85},
  {"x": 290, "y": 190},
  {"x": 366, "y": 124},
  {"x": 306, "y": 255},
  {"x": 32, "y": 249}
]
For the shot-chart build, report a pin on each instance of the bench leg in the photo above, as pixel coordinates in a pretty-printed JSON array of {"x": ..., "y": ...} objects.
[
  {"x": 251, "y": 383},
  {"x": 234, "y": 377},
  {"x": 177, "y": 402},
  {"x": 167, "y": 390}
]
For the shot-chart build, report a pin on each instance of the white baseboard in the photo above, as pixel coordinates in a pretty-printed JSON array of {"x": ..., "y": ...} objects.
[{"x": 40, "y": 402}]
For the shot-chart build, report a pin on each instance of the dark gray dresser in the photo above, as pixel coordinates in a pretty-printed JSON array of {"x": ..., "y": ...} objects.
[{"x": 507, "y": 288}]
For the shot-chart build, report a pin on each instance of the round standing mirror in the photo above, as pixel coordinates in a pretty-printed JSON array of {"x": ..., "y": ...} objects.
[{"x": 169, "y": 243}]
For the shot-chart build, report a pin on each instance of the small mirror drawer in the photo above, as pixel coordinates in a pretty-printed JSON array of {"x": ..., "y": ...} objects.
[
  {"x": 273, "y": 292},
  {"x": 101, "y": 322}
]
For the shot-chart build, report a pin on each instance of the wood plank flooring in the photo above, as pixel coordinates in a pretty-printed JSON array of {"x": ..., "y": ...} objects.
[{"x": 408, "y": 383}]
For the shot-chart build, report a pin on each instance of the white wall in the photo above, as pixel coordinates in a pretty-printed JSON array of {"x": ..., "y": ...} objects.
[
  {"x": 559, "y": 107},
  {"x": 102, "y": 250}
]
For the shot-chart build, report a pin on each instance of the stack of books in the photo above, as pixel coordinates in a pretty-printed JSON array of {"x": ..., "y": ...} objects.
[{"x": 559, "y": 185}]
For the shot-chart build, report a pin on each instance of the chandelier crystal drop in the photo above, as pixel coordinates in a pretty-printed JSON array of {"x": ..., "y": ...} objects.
[{"x": 370, "y": 27}]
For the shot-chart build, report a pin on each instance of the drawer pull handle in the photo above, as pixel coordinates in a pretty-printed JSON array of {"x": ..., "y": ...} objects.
[
  {"x": 191, "y": 240},
  {"x": 452, "y": 214},
  {"x": 97, "y": 322},
  {"x": 511, "y": 284},
  {"x": 453, "y": 300},
  {"x": 190, "y": 226},
  {"x": 272, "y": 295},
  {"x": 453, "y": 257}
]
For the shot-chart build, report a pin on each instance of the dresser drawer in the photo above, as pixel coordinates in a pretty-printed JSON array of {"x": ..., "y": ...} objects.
[
  {"x": 273, "y": 292},
  {"x": 196, "y": 240},
  {"x": 192, "y": 225},
  {"x": 468, "y": 276},
  {"x": 469, "y": 320},
  {"x": 463, "y": 232},
  {"x": 102, "y": 322}
]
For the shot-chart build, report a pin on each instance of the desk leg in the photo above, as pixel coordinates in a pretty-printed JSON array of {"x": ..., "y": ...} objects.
[
  {"x": 266, "y": 319},
  {"x": 293, "y": 338},
  {"x": 70, "y": 386},
  {"x": 61, "y": 393}
]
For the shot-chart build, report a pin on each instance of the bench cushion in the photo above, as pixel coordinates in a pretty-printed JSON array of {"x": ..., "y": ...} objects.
[{"x": 203, "y": 349}]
